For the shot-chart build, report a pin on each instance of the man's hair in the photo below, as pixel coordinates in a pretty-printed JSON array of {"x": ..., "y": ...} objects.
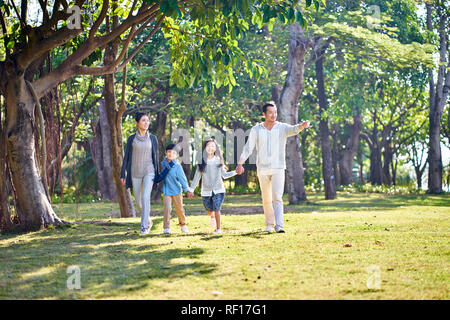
[
  {"x": 268, "y": 104},
  {"x": 172, "y": 146}
]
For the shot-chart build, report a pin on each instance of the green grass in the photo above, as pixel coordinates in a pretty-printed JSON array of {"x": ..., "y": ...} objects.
[{"x": 308, "y": 262}]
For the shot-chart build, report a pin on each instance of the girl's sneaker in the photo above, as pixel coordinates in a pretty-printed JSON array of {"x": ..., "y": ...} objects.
[
  {"x": 213, "y": 222},
  {"x": 166, "y": 231},
  {"x": 184, "y": 229},
  {"x": 218, "y": 231}
]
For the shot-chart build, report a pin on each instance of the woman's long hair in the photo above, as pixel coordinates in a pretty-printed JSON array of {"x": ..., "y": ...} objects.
[{"x": 218, "y": 153}]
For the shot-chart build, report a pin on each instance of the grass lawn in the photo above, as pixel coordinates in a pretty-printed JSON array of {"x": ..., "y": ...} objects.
[{"x": 310, "y": 261}]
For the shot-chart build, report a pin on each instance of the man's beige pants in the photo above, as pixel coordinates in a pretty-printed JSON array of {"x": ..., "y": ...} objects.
[
  {"x": 271, "y": 182},
  {"x": 179, "y": 209}
]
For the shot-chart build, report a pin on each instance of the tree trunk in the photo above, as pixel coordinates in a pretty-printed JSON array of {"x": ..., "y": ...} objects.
[
  {"x": 375, "y": 176},
  {"x": 33, "y": 207},
  {"x": 116, "y": 144},
  {"x": 335, "y": 157},
  {"x": 394, "y": 165},
  {"x": 438, "y": 98},
  {"x": 160, "y": 132},
  {"x": 100, "y": 146},
  {"x": 387, "y": 160},
  {"x": 288, "y": 111},
  {"x": 240, "y": 179},
  {"x": 5, "y": 216},
  {"x": 360, "y": 165},
  {"x": 375, "y": 165},
  {"x": 346, "y": 163},
  {"x": 327, "y": 163},
  {"x": 418, "y": 177}
]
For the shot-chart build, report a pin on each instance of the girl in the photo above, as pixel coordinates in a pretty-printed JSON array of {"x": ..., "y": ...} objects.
[
  {"x": 212, "y": 171},
  {"x": 140, "y": 166}
]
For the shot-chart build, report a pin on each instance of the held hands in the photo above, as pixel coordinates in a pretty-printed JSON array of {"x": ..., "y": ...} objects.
[
  {"x": 240, "y": 169},
  {"x": 190, "y": 194},
  {"x": 123, "y": 180}
]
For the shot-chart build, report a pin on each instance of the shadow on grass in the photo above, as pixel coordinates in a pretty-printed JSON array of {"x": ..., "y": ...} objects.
[
  {"x": 110, "y": 262},
  {"x": 373, "y": 202}
]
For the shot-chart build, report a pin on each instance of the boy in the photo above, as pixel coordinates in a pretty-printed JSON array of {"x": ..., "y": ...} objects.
[{"x": 174, "y": 182}]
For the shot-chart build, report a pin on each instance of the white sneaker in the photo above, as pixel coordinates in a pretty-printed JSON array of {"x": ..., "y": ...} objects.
[
  {"x": 147, "y": 231},
  {"x": 213, "y": 222},
  {"x": 279, "y": 229},
  {"x": 268, "y": 229},
  {"x": 167, "y": 231},
  {"x": 184, "y": 229},
  {"x": 218, "y": 231}
]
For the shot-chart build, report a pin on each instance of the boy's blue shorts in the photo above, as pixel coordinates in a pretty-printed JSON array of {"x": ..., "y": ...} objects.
[{"x": 213, "y": 202}]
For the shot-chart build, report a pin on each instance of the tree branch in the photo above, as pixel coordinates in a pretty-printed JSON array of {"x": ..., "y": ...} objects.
[
  {"x": 68, "y": 68},
  {"x": 23, "y": 23},
  {"x": 100, "y": 19},
  {"x": 115, "y": 67}
]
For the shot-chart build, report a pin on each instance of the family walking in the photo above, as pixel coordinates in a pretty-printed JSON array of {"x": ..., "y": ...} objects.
[{"x": 141, "y": 171}]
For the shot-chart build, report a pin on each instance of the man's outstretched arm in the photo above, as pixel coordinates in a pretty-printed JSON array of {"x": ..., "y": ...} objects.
[{"x": 292, "y": 130}]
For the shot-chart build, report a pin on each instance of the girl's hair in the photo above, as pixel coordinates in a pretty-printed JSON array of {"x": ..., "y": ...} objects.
[
  {"x": 139, "y": 115},
  {"x": 218, "y": 153}
]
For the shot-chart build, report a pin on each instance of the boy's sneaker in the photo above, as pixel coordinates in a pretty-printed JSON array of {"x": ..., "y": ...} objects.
[
  {"x": 213, "y": 222},
  {"x": 166, "y": 231},
  {"x": 184, "y": 229},
  {"x": 268, "y": 229},
  {"x": 279, "y": 229},
  {"x": 218, "y": 231}
]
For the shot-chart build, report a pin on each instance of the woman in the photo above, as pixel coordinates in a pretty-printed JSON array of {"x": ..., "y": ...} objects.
[{"x": 140, "y": 166}]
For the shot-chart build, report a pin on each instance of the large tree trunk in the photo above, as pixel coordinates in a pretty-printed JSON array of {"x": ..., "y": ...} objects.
[
  {"x": 346, "y": 163},
  {"x": 327, "y": 162},
  {"x": 100, "y": 146},
  {"x": 33, "y": 207},
  {"x": 438, "y": 98},
  {"x": 288, "y": 112}
]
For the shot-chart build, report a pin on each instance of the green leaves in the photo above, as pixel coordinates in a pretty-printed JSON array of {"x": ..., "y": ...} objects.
[
  {"x": 205, "y": 49},
  {"x": 170, "y": 8}
]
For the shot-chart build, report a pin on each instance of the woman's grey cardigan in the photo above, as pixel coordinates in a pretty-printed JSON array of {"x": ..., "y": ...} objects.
[{"x": 125, "y": 173}]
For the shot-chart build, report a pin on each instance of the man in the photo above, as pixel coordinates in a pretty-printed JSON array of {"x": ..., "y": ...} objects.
[{"x": 269, "y": 138}]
